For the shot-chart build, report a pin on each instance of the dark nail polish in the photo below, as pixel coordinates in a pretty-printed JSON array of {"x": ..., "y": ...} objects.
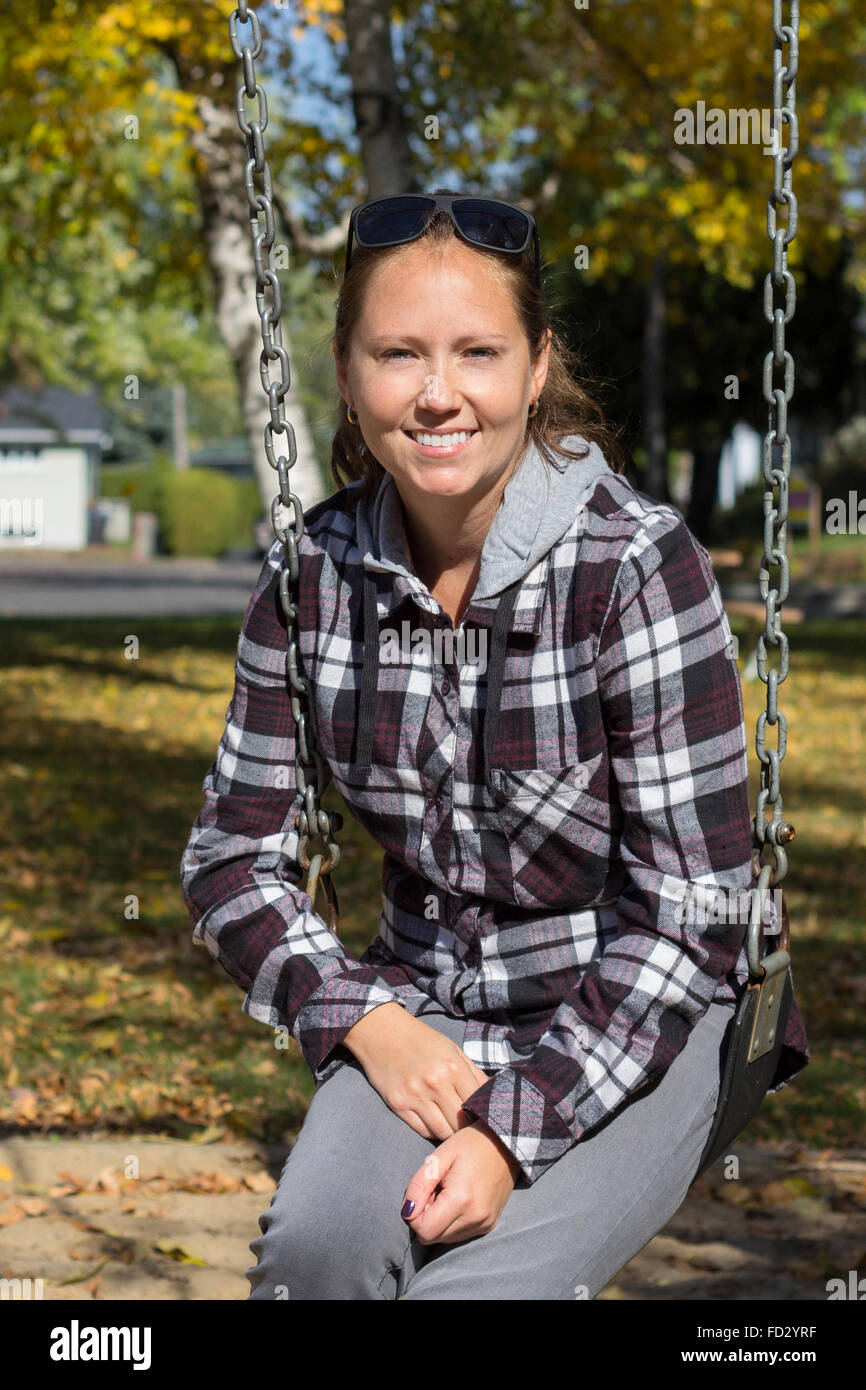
[{"x": 408, "y": 1208}]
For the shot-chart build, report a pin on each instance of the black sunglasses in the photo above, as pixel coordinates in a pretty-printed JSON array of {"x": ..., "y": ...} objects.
[{"x": 480, "y": 221}]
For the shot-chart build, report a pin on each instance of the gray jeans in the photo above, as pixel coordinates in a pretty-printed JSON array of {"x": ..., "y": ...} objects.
[{"x": 334, "y": 1230}]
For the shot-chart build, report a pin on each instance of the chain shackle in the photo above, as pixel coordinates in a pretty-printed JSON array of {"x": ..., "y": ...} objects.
[
  {"x": 777, "y": 449},
  {"x": 287, "y": 515}
]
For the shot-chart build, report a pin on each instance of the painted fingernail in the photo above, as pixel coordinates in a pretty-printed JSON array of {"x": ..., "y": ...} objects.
[{"x": 408, "y": 1208}]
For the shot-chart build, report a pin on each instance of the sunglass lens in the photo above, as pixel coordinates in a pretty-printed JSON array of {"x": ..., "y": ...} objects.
[
  {"x": 493, "y": 224},
  {"x": 392, "y": 220}
]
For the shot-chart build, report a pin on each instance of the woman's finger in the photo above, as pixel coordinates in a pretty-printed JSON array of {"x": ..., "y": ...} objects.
[
  {"x": 442, "y": 1215},
  {"x": 433, "y": 1121},
  {"x": 475, "y": 1074},
  {"x": 424, "y": 1193}
]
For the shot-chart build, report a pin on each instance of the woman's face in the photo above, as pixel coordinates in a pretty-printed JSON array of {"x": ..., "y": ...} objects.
[{"x": 439, "y": 351}]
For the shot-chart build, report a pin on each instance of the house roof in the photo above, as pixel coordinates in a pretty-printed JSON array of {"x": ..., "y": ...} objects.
[{"x": 51, "y": 415}]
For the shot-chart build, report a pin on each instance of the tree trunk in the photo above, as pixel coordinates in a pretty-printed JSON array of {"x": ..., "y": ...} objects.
[
  {"x": 387, "y": 163},
  {"x": 385, "y": 154},
  {"x": 655, "y": 440},
  {"x": 225, "y": 220},
  {"x": 705, "y": 483}
]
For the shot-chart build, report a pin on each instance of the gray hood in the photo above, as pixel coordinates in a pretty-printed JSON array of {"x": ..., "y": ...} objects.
[{"x": 538, "y": 506}]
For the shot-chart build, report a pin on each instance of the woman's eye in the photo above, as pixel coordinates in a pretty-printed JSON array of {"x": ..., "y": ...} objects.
[{"x": 404, "y": 352}]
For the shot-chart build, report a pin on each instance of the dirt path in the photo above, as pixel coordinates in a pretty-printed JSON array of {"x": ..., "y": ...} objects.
[{"x": 136, "y": 1219}]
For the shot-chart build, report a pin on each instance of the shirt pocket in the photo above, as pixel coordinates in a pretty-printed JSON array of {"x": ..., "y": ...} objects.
[{"x": 559, "y": 827}]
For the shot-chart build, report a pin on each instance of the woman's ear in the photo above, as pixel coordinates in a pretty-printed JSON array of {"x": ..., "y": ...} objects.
[{"x": 539, "y": 370}]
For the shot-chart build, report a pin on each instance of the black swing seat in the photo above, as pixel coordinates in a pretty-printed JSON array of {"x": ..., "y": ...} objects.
[{"x": 754, "y": 1041}]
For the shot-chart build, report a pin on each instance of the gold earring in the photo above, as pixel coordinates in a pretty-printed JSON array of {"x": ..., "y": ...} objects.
[
  {"x": 533, "y": 409},
  {"x": 349, "y": 416}
]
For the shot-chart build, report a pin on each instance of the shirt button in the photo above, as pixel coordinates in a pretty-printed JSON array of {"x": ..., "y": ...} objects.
[{"x": 446, "y": 686}]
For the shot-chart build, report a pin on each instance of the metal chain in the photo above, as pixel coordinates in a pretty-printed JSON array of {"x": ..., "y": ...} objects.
[
  {"x": 777, "y": 832},
  {"x": 312, "y": 823}
]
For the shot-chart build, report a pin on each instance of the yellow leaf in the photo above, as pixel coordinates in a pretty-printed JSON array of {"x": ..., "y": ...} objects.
[
  {"x": 175, "y": 1251},
  {"x": 6, "y": 1174},
  {"x": 97, "y": 1000}
]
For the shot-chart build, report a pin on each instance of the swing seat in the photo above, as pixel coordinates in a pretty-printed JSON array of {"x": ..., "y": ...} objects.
[{"x": 755, "y": 1038}]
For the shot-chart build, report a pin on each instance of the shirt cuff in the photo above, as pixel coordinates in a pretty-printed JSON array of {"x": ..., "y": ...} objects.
[
  {"x": 332, "y": 1010},
  {"x": 524, "y": 1119}
]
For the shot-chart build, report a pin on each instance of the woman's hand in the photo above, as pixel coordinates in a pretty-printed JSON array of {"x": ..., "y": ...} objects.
[
  {"x": 460, "y": 1190},
  {"x": 423, "y": 1076}
]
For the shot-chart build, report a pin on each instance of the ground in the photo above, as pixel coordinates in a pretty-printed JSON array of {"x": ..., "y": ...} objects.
[{"x": 790, "y": 1221}]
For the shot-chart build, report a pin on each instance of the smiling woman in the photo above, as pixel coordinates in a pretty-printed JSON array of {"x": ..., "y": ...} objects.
[
  {"x": 516, "y": 1081},
  {"x": 465, "y": 371},
  {"x": 377, "y": 320}
]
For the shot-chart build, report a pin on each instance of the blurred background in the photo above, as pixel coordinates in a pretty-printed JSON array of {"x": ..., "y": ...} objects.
[{"x": 135, "y": 503}]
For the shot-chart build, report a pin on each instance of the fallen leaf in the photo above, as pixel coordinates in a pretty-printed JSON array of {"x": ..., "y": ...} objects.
[
  {"x": 6, "y": 1174},
  {"x": 11, "y": 1215},
  {"x": 25, "y": 1102},
  {"x": 72, "y": 1180},
  {"x": 209, "y": 1183},
  {"x": 106, "y": 1181},
  {"x": 84, "y": 1275},
  {"x": 211, "y": 1134},
  {"x": 33, "y": 1206},
  {"x": 259, "y": 1182},
  {"x": 175, "y": 1251},
  {"x": 776, "y": 1193},
  {"x": 801, "y": 1187}
]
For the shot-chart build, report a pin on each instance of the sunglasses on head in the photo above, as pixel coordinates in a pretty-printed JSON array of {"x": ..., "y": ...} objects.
[{"x": 480, "y": 221}]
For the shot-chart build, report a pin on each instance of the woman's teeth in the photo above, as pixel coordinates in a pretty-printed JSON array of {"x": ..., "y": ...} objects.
[{"x": 441, "y": 441}]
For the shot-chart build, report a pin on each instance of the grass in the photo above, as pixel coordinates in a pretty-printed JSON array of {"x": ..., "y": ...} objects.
[
  {"x": 113, "y": 1022},
  {"x": 837, "y": 559}
]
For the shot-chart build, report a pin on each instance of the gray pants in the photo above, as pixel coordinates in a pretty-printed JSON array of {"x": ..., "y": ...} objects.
[{"x": 334, "y": 1231}]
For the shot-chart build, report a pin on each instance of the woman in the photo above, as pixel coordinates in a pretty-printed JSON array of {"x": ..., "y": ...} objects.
[{"x": 522, "y": 685}]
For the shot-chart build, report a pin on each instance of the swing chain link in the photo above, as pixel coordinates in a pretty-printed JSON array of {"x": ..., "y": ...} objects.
[
  {"x": 775, "y": 831},
  {"x": 312, "y": 822}
]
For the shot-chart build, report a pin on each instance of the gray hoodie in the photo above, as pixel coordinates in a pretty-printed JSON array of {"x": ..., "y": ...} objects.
[{"x": 538, "y": 506}]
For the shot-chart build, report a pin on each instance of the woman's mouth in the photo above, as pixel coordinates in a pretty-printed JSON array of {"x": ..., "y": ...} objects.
[{"x": 440, "y": 443}]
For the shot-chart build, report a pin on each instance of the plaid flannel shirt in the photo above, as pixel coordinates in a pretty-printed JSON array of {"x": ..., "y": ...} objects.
[{"x": 539, "y": 898}]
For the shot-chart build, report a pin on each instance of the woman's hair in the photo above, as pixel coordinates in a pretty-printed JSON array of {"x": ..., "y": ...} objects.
[{"x": 565, "y": 407}]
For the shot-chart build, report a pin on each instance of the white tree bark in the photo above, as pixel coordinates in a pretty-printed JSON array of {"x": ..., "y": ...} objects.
[{"x": 230, "y": 255}]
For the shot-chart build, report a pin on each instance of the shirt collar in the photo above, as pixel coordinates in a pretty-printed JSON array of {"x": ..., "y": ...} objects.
[{"x": 507, "y": 548}]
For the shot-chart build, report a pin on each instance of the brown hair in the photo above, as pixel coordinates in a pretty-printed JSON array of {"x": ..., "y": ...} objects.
[{"x": 565, "y": 407}]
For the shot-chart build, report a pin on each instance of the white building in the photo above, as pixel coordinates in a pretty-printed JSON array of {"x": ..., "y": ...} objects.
[
  {"x": 51, "y": 445},
  {"x": 740, "y": 463}
]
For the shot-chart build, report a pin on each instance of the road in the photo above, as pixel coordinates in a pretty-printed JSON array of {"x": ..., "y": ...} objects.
[
  {"x": 92, "y": 586},
  {"x": 76, "y": 587}
]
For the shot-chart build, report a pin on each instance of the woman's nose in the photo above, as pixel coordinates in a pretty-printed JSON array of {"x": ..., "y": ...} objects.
[{"x": 437, "y": 391}]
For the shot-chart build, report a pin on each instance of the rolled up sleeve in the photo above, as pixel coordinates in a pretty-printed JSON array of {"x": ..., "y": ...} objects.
[{"x": 239, "y": 872}]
